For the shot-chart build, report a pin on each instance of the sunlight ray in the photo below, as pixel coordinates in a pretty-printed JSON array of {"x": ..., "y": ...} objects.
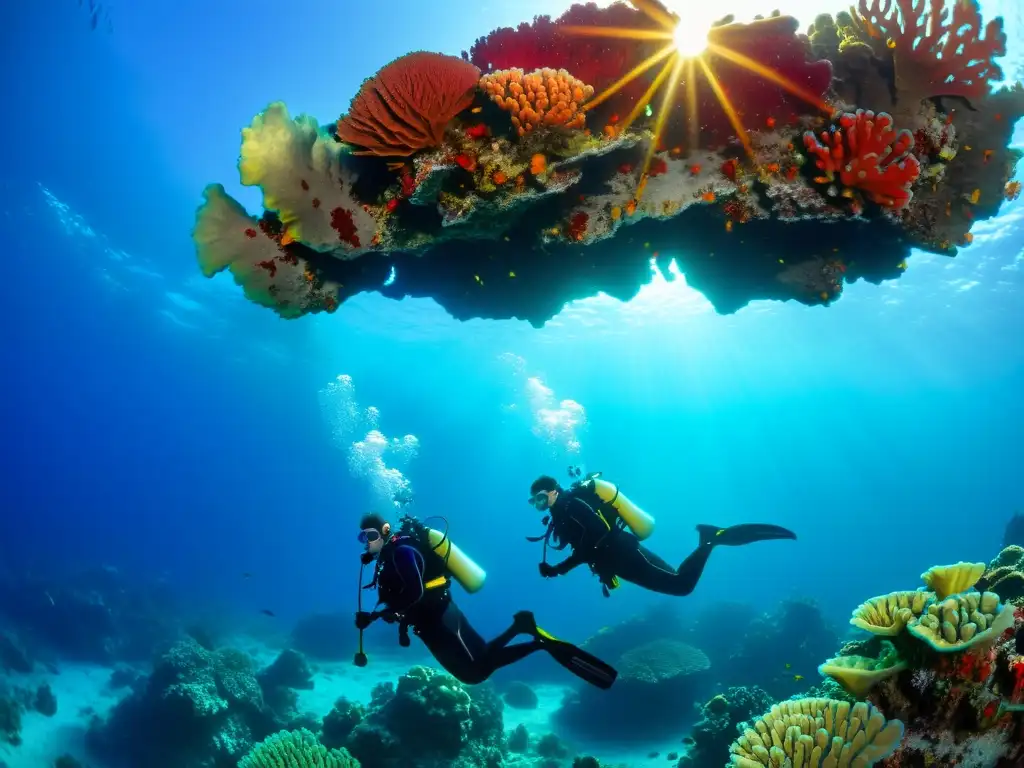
[{"x": 634, "y": 73}]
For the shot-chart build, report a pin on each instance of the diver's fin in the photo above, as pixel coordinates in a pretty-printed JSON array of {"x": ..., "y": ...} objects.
[
  {"x": 738, "y": 535},
  {"x": 584, "y": 665}
]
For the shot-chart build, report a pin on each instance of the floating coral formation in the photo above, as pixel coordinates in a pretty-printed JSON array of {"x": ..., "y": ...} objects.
[{"x": 559, "y": 159}]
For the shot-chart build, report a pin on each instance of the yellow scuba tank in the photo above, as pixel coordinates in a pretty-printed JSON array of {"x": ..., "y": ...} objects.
[
  {"x": 639, "y": 522},
  {"x": 469, "y": 575}
]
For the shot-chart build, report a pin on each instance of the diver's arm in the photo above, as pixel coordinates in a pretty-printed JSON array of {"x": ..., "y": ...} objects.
[
  {"x": 572, "y": 561},
  {"x": 408, "y": 564}
]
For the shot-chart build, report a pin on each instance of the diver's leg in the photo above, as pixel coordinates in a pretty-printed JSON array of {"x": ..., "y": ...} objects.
[
  {"x": 637, "y": 564},
  {"x": 455, "y": 645}
]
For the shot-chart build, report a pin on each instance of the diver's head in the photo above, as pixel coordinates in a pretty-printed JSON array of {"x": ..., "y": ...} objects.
[
  {"x": 544, "y": 492},
  {"x": 373, "y": 532}
]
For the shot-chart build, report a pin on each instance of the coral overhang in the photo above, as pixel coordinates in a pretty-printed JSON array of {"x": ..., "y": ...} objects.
[{"x": 556, "y": 175}]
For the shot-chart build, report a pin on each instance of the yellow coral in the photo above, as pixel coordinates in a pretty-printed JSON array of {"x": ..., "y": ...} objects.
[
  {"x": 544, "y": 97},
  {"x": 946, "y": 580},
  {"x": 961, "y": 621},
  {"x": 808, "y": 733},
  {"x": 889, "y": 614},
  {"x": 858, "y": 674}
]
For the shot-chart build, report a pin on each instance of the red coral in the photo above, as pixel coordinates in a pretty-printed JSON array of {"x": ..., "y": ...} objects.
[
  {"x": 954, "y": 58},
  {"x": 408, "y": 104},
  {"x": 578, "y": 226},
  {"x": 868, "y": 155},
  {"x": 341, "y": 222}
]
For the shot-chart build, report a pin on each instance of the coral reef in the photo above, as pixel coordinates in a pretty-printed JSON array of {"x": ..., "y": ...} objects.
[
  {"x": 1005, "y": 574},
  {"x": 197, "y": 709},
  {"x": 551, "y": 163},
  {"x": 721, "y": 717},
  {"x": 427, "y": 719},
  {"x": 951, "y": 670},
  {"x": 653, "y": 696}
]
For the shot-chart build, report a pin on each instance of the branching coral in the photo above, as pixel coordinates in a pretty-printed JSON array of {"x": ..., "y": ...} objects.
[
  {"x": 546, "y": 97},
  {"x": 295, "y": 749},
  {"x": 933, "y": 54},
  {"x": 299, "y": 169},
  {"x": 407, "y": 105},
  {"x": 811, "y": 732},
  {"x": 867, "y": 155}
]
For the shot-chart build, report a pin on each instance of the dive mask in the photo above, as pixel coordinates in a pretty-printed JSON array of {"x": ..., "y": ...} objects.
[
  {"x": 368, "y": 536},
  {"x": 540, "y": 500}
]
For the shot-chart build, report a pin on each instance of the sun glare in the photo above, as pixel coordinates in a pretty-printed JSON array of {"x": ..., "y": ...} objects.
[{"x": 690, "y": 39}]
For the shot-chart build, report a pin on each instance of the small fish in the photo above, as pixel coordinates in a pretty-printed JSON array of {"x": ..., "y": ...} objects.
[
  {"x": 268, "y": 612},
  {"x": 798, "y": 678},
  {"x": 789, "y": 666},
  {"x": 246, "y": 575}
]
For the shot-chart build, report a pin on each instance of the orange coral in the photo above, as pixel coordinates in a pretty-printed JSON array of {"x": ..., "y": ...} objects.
[
  {"x": 938, "y": 56},
  {"x": 543, "y": 97},
  {"x": 407, "y": 105}
]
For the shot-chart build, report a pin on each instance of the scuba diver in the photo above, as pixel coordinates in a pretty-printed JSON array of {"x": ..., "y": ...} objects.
[
  {"x": 592, "y": 517},
  {"x": 413, "y": 573}
]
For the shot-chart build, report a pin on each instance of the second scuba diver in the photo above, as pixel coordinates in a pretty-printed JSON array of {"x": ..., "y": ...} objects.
[
  {"x": 413, "y": 572},
  {"x": 591, "y": 517}
]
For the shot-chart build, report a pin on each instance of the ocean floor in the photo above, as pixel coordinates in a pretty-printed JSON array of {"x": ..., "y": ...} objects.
[{"x": 82, "y": 691}]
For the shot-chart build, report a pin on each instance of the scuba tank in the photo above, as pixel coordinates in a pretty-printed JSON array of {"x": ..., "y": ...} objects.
[{"x": 609, "y": 496}]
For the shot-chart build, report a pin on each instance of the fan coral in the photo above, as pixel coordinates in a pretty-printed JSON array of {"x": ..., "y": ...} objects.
[
  {"x": 946, "y": 580},
  {"x": 296, "y": 749},
  {"x": 545, "y": 97},
  {"x": 813, "y": 732},
  {"x": 934, "y": 56},
  {"x": 859, "y": 674},
  {"x": 407, "y": 105},
  {"x": 867, "y": 155}
]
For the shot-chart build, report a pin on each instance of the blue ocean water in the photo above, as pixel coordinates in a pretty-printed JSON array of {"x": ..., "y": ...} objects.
[{"x": 156, "y": 422}]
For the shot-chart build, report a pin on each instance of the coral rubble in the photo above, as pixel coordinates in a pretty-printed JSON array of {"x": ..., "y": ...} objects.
[{"x": 550, "y": 163}]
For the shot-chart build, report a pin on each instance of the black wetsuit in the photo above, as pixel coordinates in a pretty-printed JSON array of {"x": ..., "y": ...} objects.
[
  {"x": 412, "y": 583},
  {"x": 582, "y": 521}
]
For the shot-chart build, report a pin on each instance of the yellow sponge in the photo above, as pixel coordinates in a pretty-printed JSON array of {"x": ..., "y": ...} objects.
[
  {"x": 946, "y": 580},
  {"x": 227, "y": 237},
  {"x": 808, "y": 733},
  {"x": 299, "y": 169},
  {"x": 889, "y": 614}
]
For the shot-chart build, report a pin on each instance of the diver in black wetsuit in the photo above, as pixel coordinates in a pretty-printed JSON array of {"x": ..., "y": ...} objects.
[
  {"x": 413, "y": 586},
  {"x": 581, "y": 519}
]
